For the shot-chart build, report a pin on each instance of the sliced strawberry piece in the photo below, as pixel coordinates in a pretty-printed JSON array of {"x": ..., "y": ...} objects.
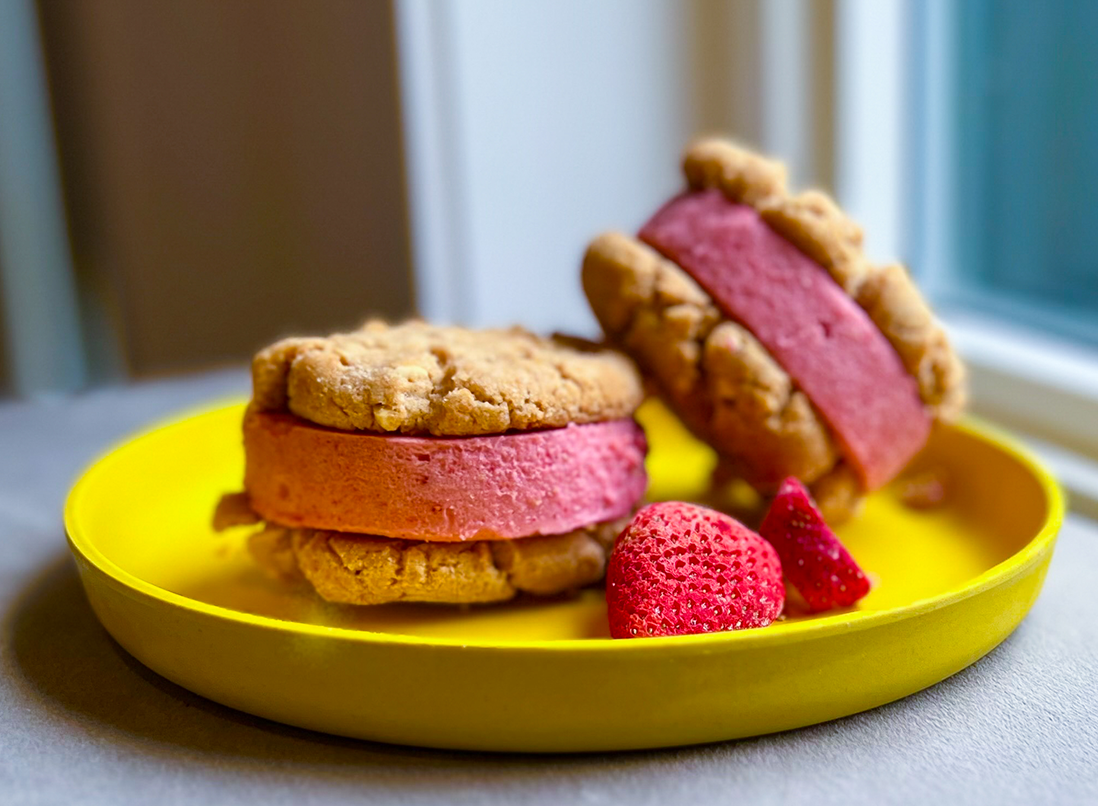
[
  {"x": 815, "y": 562},
  {"x": 679, "y": 569}
]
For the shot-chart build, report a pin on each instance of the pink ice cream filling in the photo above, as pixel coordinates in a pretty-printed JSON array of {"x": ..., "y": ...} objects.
[
  {"x": 443, "y": 489},
  {"x": 828, "y": 345}
]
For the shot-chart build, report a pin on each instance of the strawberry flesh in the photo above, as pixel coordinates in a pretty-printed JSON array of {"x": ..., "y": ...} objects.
[
  {"x": 815, "y": 562},
  {"x": 681, "y": 569}
]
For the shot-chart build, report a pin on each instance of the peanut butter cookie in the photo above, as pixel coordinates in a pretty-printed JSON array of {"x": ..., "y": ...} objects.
[
  {"x": 416, "y": 378},
  {"x": 364, "y": 570}
]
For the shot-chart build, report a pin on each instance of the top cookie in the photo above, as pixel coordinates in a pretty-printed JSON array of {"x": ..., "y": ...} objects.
[{"x": 416, "y": 378}]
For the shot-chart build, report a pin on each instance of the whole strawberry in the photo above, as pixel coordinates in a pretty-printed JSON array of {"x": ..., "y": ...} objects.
[
  {"x": 679, "y": 569},
  {"x": 814, "y": 560}
]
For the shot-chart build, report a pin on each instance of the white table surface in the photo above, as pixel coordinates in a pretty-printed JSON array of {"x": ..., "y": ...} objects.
[{"x": 81, "y": 722}]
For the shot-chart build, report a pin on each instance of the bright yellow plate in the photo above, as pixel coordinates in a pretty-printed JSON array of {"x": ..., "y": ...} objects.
[{"x": 950, "y": 585}]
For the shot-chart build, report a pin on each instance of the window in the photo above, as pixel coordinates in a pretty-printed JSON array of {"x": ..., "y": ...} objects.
[{"x": 1020, "y": 103}]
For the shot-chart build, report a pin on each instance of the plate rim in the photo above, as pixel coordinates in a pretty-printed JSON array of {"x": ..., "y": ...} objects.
[{"x": 848, "y": 621}]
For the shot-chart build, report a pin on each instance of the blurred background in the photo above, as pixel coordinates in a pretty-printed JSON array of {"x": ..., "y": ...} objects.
[{"x": 182, "y": 181}]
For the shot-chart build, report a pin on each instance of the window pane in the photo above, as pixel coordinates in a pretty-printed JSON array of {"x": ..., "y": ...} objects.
[{"x": 1027, "y": 154}]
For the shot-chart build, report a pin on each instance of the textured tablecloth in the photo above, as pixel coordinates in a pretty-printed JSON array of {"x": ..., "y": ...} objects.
[{"x": 81, "y": 722}]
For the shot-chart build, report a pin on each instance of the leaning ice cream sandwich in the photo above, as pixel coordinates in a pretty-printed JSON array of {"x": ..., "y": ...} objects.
[
  {"x": 438, "y": 464},
  {"x": 760, "y": 320}
]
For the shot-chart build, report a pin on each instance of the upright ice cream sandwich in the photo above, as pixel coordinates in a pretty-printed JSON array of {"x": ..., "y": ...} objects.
[
  {"x": 760, "y": 320},
  {"x": 439, "y": 464}
]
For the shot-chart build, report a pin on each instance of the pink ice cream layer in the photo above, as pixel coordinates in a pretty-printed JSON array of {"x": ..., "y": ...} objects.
[
  {"x": 444, "y": 489},
  {"x": 828, "y": 345}
]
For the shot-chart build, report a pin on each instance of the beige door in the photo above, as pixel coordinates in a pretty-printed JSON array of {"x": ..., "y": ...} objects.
[{"x": 232, "y": 172}]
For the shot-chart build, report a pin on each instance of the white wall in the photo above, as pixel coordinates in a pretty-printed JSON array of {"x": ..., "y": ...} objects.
[
  {"x": 872, "y": 39},
  {"x": 530, "y": 128}
]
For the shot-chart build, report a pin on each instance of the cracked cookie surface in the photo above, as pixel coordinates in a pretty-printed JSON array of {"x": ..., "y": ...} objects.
[
  {"x": 366, "y": 570},
  {"x": 417, "y": 378}
]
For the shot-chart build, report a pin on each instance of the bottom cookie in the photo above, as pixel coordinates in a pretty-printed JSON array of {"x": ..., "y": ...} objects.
[{"x": 368, "y": 570}]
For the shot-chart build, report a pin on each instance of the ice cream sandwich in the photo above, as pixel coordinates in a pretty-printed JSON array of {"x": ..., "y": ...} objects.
[
  {"x": 439, "y": 464},
  {"x": 760, "y": 320}
]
